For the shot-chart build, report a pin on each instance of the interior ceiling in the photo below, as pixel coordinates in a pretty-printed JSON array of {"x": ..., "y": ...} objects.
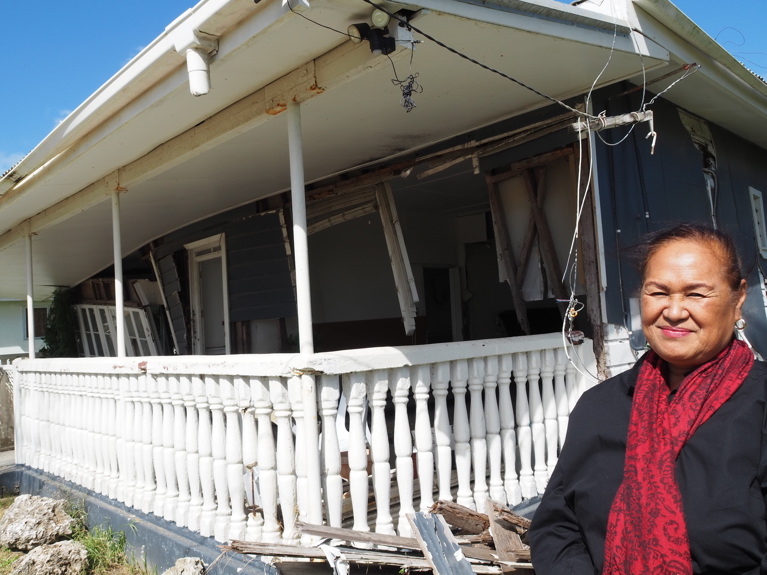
[{"x": 360, "y": 122}]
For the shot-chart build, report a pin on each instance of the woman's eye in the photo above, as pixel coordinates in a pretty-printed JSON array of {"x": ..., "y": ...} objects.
[{"x": 695, "y": 295}]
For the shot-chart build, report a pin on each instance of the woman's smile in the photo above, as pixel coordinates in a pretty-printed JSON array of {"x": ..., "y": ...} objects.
[{"x": 675, "y": 331}]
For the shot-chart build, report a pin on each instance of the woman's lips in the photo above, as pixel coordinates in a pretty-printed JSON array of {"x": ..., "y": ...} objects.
[{"x": 674, "y": 331}]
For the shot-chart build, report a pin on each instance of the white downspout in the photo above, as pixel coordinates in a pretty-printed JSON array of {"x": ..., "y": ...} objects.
[
  {"x": 119, "y": 303},
  {"x": 304, "y": 305},
  {"x": 30, "y": 301}
]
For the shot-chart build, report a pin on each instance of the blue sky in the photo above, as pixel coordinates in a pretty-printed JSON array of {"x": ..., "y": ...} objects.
[{"x": 57, "y": 54}]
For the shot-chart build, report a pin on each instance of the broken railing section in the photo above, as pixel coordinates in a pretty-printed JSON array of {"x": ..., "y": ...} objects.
[
  {"x": 192, "y": 439},
  {"x": 448, "y": 539}
]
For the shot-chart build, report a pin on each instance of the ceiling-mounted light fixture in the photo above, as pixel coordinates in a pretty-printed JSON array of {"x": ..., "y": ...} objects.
[
  {"x": 380, "y": 43},
  {"x": 377, "y": 34},
  {"x": 379, "y": 18},
  {"x": 358, "y": 32}
]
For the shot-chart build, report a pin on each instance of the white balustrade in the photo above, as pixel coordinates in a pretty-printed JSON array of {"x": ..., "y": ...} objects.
[{"x": 190, "y": 439}]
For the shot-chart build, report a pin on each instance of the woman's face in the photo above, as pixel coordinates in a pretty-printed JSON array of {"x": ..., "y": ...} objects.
[{"x": 688, "y": 307}]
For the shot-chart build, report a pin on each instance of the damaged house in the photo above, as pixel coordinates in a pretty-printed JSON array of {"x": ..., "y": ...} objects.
[{"x": 395, "y": 231}]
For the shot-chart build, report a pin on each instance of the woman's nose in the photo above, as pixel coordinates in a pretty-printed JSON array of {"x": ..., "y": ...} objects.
[{"x": 676, "y": 310}]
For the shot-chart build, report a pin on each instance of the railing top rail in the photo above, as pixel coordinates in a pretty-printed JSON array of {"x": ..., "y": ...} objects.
[{"x": 286, "y": 365}]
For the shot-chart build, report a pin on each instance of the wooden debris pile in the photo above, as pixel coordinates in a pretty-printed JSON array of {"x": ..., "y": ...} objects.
[{"x": 448, "y": 540}]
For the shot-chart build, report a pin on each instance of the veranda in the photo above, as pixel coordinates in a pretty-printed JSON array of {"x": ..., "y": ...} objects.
[{"x": 223, "y": 445}]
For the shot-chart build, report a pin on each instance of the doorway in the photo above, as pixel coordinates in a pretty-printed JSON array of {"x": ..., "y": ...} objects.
[{"x": 209, "y": 298}]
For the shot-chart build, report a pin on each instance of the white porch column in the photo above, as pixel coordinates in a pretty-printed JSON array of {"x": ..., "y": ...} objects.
[
  {"x": 30, "y": 300},
  {"x": 119, "y": 303},
  {"x": 304, "y": 304}
]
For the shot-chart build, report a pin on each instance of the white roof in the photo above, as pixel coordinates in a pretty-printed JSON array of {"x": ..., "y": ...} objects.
[{"x": 178, "y": 158}]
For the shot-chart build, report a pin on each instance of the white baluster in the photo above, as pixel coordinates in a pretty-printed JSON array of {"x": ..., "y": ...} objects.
[
  {"x": 113, "y": 400},
  {"x": 136, "y": 434},
  {"x": 91, "y": 422},
  {"x": 536, "y": 420},
  {"x": 440, "y": 380},
  {"x": 508, "y": 432},
  {"x": 329, "y": 394},
  {"x": 192, "y": 390},
  {"x": 379, "y": 451},
  {"x": 286, "y": 477},
  {"x": 355, "y": 389},
  {"x": 126, "y": 477},
  {"x": 234, "y": 467},
  {"x": 147, "y": 504},
  {"x": 267, "y": 459},
  {"x": 403, "y": 447},
  {"x": 560, "y": 393},
  {"x": 180, "y": 386},
  {"x": 249, "y": 454},
  {"x": 524, "y": 432},
  {"x": 493, "y": 426},
  {"x": 574, "y": 390},
  {"x": 205, "y": 450},
  {"x": 98, "y": 432},
  {"x": 549, "y": 410},
  {"x": 295, "y": 397},
  {"x": 461, "y": 433},
  {"x": 218, "y": 445},
  {"x": 80, "y": 462},
  {"x": 158, "y": 450},
  {"x": 169, "y": 384},
  {"x": 478, "y": 431},
  {"x": 423, "y": 437}
]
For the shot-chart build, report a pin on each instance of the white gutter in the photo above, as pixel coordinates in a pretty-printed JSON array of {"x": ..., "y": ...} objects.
[
  {"x": 508, "y": 13},
  {"x": 150, "y": 66}
]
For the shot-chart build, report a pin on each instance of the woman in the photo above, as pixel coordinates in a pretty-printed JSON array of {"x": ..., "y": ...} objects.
[{"x": 665, "y": 466}]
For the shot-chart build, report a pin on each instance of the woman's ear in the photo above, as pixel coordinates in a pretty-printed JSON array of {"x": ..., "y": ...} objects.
[{"x": 742, "y": 290}]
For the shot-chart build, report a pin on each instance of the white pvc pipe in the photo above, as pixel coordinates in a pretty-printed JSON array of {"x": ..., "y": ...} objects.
[
  {"x": 119, "y": 299},
  {"x": 30, "y": 301},
  {"x": 304, "y": 305}
]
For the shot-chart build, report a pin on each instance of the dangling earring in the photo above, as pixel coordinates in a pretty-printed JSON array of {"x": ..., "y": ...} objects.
[{"x": 740, "y": 324}]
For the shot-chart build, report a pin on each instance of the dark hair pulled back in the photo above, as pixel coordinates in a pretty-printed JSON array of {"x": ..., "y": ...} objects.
[{"x": 650, "y": 243}]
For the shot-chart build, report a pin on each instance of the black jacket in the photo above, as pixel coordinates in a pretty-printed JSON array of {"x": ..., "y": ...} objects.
[{"x": 721, "y": 470}]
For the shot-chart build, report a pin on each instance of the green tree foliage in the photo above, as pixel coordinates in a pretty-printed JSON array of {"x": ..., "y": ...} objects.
[{"x": 61, "y": 326}]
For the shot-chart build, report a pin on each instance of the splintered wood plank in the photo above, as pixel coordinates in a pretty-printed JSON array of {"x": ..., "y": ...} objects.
[
  {"x": 507, "y": 541},
  {"x": 438, "y": 545},
  {"x": 383, "y": 539},
  {"x": 503, "y": 513},
  {"x": 461, "y": 517}
]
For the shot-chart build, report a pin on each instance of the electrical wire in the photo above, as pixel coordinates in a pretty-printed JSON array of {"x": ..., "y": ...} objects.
[{"x": 406, "y": 23}]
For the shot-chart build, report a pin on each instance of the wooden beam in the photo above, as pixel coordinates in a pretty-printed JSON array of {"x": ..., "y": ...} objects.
[
  {"x": 587, "y": 232},
  {"x": 548, "y": 248},
  {"x": 527, "y": 244},
  {"x": 506, "y": 254},
  {"x": 383, "y": 539},
  {"x": 395, "y": 242},
  {"x": 507, "y": 542},
  {"x": 518, "y": 168}
]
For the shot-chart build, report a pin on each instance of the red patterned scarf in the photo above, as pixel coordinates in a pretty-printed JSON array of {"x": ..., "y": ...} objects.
[{"x": 646, "y": 529}]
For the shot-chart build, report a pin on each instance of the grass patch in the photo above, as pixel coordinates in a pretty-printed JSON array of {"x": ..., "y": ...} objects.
[{"x": 7, "y": 557}]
